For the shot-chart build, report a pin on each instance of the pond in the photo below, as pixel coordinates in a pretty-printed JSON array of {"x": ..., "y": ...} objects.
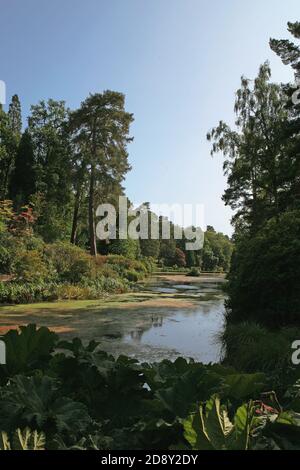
[
  {"x": 186, "y": 330},
  {"x": 168, "y": 316}
]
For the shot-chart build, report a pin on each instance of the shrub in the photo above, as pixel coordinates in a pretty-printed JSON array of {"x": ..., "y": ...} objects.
[
  {"x": 29, "y": 292},
  {"x": 149, "y": 248},
  {"x": 71, "y": 272},
  {"x": 91, "y": 289},
  {"x": 149, "y": 263},
  {"x": 20, "y": 293},
  {"x": 5, "y": 260},
  {"x": 71, "y": 263},
  {"x": 10, "y": 247},
  {"x": 132, "y": 276},
  {"x": 72, "y": 292},
  {"x": 129, "y": 248},
  {"x": 30, "y": 267},
  {"x": 13, "y": 247},
  {"x": 103, "y": 284},
  {"x": 122, "y": 265},
  {"x": 251, "y": 347},
  {"x": 34, "y": 243},
  {"x": 194, "y": 272},
  {"x": 100, "y": 260},
  {"x": 106, "y": 270}
]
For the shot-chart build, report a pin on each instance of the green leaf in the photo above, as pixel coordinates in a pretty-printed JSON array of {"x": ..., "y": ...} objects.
[
  {"x": 27, "y": 349},
  {"x": 211, "y": 427},
  {"x": 37, "y": 401},
  {"x": 241, "y": 386}
]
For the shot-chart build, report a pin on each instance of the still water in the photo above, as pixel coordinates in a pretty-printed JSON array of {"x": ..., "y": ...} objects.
[
  {"x": 188, "y": 327},
  {"x": 167, "y": 317}
]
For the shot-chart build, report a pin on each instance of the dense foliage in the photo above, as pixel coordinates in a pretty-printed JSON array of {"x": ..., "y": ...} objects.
[
  {"x": 262, "y": 165},
  {"x": 35, "y": 271},
  {"x": 265, "y": 274},
  {"x": 58, "y": 394},
  {"x": 67, "y": 162}
]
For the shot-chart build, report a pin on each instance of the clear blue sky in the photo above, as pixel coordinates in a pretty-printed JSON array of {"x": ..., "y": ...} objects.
[{"x": 178, "y": 62}]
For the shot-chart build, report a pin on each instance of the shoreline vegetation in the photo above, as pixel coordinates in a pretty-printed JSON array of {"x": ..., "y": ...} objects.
[
  {"x": 66, "y": 394},
  {"x": 34, "y": 270}
]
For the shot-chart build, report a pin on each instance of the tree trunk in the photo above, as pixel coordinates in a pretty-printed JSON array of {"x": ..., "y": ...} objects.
[
  {"x": 75, "y": 216},
  {"x": 92, "y": 227}
]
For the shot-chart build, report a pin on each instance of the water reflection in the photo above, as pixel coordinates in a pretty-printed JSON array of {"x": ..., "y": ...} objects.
[
  {"x": 167, "y": 319},
  {"x": 190, "y": 332},
  {"x": 136, "y": 335}
]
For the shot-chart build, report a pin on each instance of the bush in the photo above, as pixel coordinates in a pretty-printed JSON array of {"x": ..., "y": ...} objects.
[
  {"x": 132, "y": 276},
  {"x": 72, "y": 292},
  {"x": 10, "y": 246},
  {"x": 5, "y": 260},
  {"x": 34, "y": 243},
  {"x": 100, "y": 260},
  {"x": 128, "y": 248},
  {"x": 30, "y": 267},
  {"x": 251, "y": 347},
  {"x": 71, "y": 272},
  {"x": 71, "y": 263},
  {"x": 123, "y": 265},
  {"x": 149, "y": 263},
  {"x": 194, "y": 272},
  {"x": 22, "y": 293},
  {"x": 106, "y": 271},
  {"x": 103, "y": 284}
]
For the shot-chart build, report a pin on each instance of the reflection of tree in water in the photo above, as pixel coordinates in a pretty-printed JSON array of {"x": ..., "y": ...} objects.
[
  {"x": 136, "y": 335},
  {"x": 156, "y": 322}
]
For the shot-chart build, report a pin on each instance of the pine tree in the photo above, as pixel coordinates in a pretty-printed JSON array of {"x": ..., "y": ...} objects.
[
  {"x": 288, "y": 51},
  {"x": 15, "y": 116},
  {"x": 8, "y": 146},
  {"x": 101, "y": 127},
  {"x": 290, "y": 55},
  {"x": 23, "y": 178}
]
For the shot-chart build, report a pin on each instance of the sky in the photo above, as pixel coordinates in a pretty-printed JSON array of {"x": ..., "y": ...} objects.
[{"x": 178, "y": 62}]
